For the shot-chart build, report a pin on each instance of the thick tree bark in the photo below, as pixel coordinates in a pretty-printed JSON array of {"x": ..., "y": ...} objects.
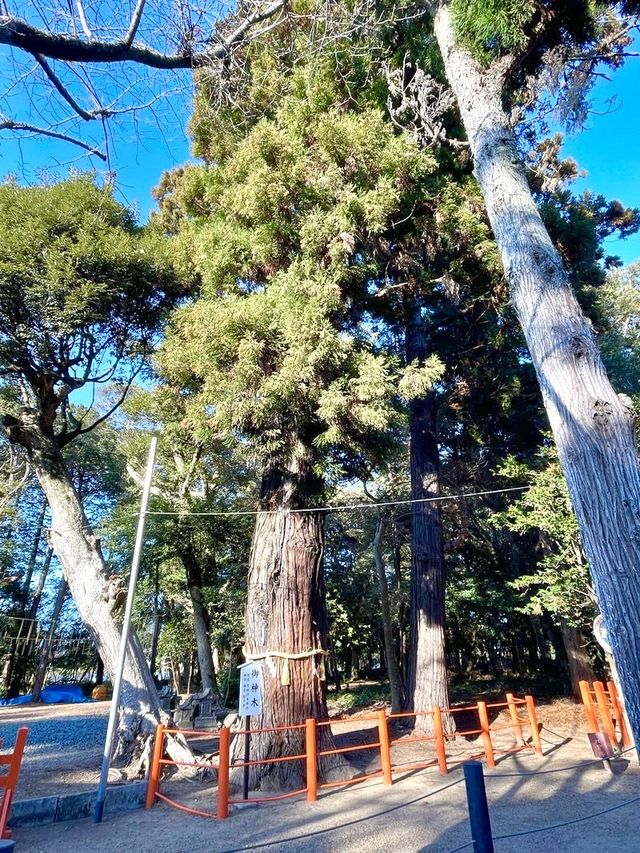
[
  {"x": 593, "y": 427},
  {"x": 427, "y": 664},
  {"x": 286, "y": 632},
  {"x": 580, "y": 668},
  {"x": 84, "y": 569},
  {"x": 393, "y": 667}
]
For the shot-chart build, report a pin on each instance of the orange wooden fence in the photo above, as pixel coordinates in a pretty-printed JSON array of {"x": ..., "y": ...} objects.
[
  {"x": 8, "y": 780},
  {"x": 383, "y": 744},
  {"x": 606, "y": 712}
]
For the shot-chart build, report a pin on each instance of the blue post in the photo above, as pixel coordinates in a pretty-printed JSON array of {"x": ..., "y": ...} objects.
[{"x": 478, "y": 808}]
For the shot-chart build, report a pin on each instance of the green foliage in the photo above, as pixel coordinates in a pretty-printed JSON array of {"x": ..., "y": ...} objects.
[
  {"x": 619, "y": 303},
  {"x": 82, "y": 289},
  {"x": 490, "y": 27},
  {"x": 357, "y": 697},
  {"x": 271, "y": 350},
  {"x": 561, "y": 585}
]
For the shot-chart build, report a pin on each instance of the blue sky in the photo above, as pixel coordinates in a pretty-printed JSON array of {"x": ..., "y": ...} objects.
[
  {"x": 146, "y": 145},
  {"x": 608, "y": 148}
]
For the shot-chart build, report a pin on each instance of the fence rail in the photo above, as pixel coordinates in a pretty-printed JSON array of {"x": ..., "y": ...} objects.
[
  {"x": 384, "y": 745},
  {"x": 608, "y": 708}
]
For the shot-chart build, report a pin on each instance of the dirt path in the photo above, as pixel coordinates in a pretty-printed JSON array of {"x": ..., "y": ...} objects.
[{"x": 421, "y": 812}]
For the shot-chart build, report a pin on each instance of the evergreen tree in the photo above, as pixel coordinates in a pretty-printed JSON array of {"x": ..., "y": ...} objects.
[{"x": 277, "y": 359}]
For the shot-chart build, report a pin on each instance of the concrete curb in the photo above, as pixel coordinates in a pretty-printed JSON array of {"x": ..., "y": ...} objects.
[{"x": 41, "y": 810}]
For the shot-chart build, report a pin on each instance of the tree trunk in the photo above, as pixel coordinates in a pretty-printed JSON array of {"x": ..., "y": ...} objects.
[
  {"x": 84, "y": 569},
  {"x": 393, "y": 668},
  {"x": 286, "y": 632},
  {"x": 593, "y": 427},
  {"x": 45, "y": 654},
  {"x": 194, "y": 574},
  {"x": 33, "y": 557},
  {"x": 580, "y": 668},
  {"x": 16, "y": 671},
  {"x": 42, "y": 577},
  {"x": 427, "y": 665}
]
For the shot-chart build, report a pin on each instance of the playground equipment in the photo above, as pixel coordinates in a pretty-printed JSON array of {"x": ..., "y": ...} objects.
[
  {"x": 9, "y": 780},
  {"x": 384, "y": 744}
]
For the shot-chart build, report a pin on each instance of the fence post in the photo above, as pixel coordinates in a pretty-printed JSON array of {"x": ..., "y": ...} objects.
[
  {"x": 312, "y": 767},
  {"x": 223, "y": 774},
  {"x": 478, "y": 809},
  {"x": 154, "y": 771},
  {"x": 592, "y": 721},
  {"x": 619, "y": 714},
  {"x": 513, "y": 711},
  {"x": 605, "y": 714},
  {"x": 486, "y": 734},
  {"x": 533, "y": 724},
  {"x": 385, "y": 748},
  {"x": 438, "y": 729}
]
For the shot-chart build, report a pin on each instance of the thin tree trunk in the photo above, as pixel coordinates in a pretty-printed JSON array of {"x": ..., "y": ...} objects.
[
  {"x": 580, "y": 668},
  {"x": 593, "y": 427},
  {"x": 427, "y": 665},
  {"x": 26, "y": 583},
  {"x": 16, "y": 671},
  {"x": 42, "y": 577},
  {"x": 84, "y": 569},
  {"x": 393, "y": 668},
  {"x": 286, "y": 632},
  {"x": 203, "y": 640},
  {"x": 157, "y": 623},
  {"x": 194, "y": 575},
  {"x": 45, "y": 654},
  {"x": 99, "y": 670}
]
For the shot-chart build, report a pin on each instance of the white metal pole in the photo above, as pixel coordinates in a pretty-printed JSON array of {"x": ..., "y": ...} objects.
[{"x": 124, "y": 637}]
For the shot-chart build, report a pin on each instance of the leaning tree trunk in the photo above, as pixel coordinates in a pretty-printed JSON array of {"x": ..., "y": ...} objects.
[
  {"x": 78, "y": 550},
  {"x": 427, "y": 664},
  {"x": 593, "y": 426},
  {"x": 286, "y": 632}
]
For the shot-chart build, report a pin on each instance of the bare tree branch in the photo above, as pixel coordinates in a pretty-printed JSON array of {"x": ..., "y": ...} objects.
[
  {"x": 8, "y": 124},
  {"x": 18, "y": 33},
  {"x": 135, "y": 23},
  {"x": 58, "y": 85},
  {"x": 83, "y": 20}
]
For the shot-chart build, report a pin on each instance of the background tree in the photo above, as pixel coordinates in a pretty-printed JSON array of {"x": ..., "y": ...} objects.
[{"x": 82, "y": 294}]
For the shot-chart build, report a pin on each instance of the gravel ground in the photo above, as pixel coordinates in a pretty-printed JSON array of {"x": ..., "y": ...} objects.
[
  {"x": 64, "y": 748},
  {"x": 421, "y": 812}
]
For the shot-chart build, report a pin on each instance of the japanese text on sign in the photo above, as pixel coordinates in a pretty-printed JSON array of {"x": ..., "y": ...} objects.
[{"x": 250, "y": 690}]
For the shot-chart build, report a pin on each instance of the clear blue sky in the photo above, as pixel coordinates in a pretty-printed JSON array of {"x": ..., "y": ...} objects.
[
  {"x": 608, "y": 148},
  {"x": 145, "y": 146}
]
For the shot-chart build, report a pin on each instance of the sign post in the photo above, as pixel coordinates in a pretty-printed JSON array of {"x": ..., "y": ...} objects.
[{"x": 250, "y": 703}]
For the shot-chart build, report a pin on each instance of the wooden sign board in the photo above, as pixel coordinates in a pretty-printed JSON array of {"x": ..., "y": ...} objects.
[
  {"x": 250, "y": 690},
  {"x": 601, "y": 745}
]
